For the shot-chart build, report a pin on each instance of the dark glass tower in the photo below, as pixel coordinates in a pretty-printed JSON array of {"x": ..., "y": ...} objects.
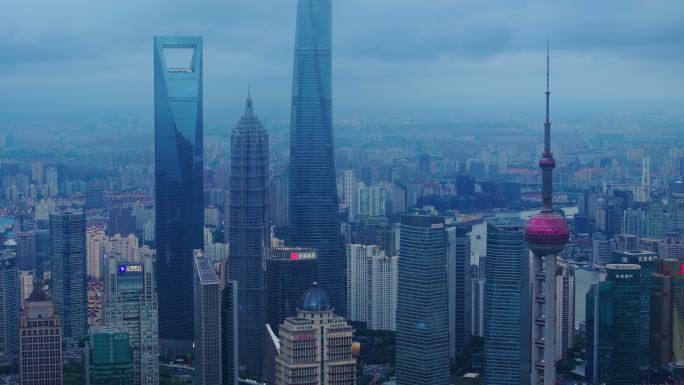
[
  {"x": 229, "y": 332},
  {"x": 647, "y": 260},
  {"x": 178, "y": 180},
  {"x": 249, "y": 232},
  {"x": 207, "y": 293},
  {"x": 507, "y": 312},
  {"x": 613, "y": 308},
  {"x": 68, "y": 272},
  {"x": 460, "y": 290},
  {"x": 289, "y": 273},
  {"x": 9, "y": 303},
  {"x": 422, "y": 309},
  {"x": 313, "y": 194}
]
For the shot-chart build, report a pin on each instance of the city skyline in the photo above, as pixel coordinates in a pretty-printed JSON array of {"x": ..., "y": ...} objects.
[{"x": 391, "y": 238}]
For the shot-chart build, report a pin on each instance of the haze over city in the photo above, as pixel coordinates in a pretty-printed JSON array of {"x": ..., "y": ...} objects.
[
  {"x": 76, "y": 62},
  {"x": 359, "y": 192}
]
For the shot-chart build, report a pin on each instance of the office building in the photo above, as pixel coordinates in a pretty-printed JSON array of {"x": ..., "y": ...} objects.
[
  {"x": 613, "y": 327},
  {"x": 9, "y": 303},
  {"x": 371, "y": 287},
  {"x": 95, "y": 245},
  {"x": 675, "y": 270},
  {"x": 626, "y": 242},
  {"x": 546, "y": 234},
  {"x": 108, "y": 357},
  {"x": 229, "y": 329},
  {"x": 249, "y": 232},
  {"x": 40, "y": 359},
  {"x": 316, "y": 345},
  {"x": 602, "y": 249},
  {"x": 121, "y": 221},
  {"x": 634, "y": 222},
  {"x": 26, "y": 279},
  {"x": 279, "y": 200},
  {"x": 94, "y": 196},
  {"x": 660, "y": 328},
  {"x": 647, "y": 260},
  {"x": 565, "y": 310},
  {"x": 314, "y": 221},
  {"x": 179, "y": 210},
  {"x": 422, "y": 316},
  {"x": 207, "y": 293},
  {"x": 124, "y": 248},
  {"x": 348, "y": 191},
  {"x": 289, "y": 273},
  {"x": 672, "y": 246},
  {"x": 507, "y": 306},
  {"x": 68, "y": 275},
  {"x": 51, "y": 181},
  {"x": 459, "y": 286},
  {"x": 26, "y": 251},
  {"x": 130, "y": 304},
  {"x": 477, "y": 306},
  {"x": 656, "y": 219},
  {"x": 369, "y": 201}
]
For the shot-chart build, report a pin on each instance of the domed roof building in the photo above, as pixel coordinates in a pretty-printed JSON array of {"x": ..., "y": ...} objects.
[
  {"x": 315, "y": 299},
  {"x": 315, "y": 347}
]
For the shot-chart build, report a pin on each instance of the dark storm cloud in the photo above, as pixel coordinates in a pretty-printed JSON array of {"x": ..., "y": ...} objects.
[{"x": 79, "y": 58}]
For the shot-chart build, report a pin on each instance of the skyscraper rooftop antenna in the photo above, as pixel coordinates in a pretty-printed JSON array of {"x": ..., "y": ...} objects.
[
  {"x": 547, "y": 123},
  {"x": 249, "y": 110}
]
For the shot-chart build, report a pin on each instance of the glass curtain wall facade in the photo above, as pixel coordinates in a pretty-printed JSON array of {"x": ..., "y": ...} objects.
[
  {"x": 178, "y": 179},
  {"x": 460, "y": 288},
  {"x": 313, "y": 209},
  {"x": 249, "y": 232},
  {"x": 130, "y": 303},
  {"x": 613, "y": 308},
  {"x": 68, "y": 272},
  {"x": 9, "y": 303},
  {"x": 229, "y": 333},
  {"x": 207, "y": 293},
  {"x": 507, "y": 306},
  {"x": 289, "y": 274},
  {"x": 108, "y": 357},
  {"x": 422, "y": 313},
  {"x": 647, "y": 260},
  {"x": 675, "y": 270}
]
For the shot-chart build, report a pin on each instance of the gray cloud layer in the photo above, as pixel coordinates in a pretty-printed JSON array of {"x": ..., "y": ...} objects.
[{"x": 80, "y": 59}]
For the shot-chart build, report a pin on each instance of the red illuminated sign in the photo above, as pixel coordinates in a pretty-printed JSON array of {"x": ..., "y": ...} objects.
[
  {"x": 682, "y": 269},
  {"x": 295, "y": 256}
]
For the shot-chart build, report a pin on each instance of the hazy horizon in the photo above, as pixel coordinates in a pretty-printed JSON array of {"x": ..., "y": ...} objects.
[{"x": 77, "y": 63}]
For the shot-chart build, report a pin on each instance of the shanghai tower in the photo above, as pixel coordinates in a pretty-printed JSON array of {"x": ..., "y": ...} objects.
[
  {"x": 179, "y": 223},
  {"x": 314, "y": 221},
  {"x": 249, "y": 232}
]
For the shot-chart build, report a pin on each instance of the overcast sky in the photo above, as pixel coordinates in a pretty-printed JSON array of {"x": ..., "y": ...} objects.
[{"x": 81, "y": 60}]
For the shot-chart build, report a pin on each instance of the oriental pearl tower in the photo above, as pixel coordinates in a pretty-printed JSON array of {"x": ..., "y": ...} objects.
[{"x": 546, "y": 234}]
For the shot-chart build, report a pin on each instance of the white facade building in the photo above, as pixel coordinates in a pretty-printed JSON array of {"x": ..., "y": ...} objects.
[
  {"x": 371, "y": 287},
  {"x": 565, "y": 310},
  {"x": 369, "y": 201}
]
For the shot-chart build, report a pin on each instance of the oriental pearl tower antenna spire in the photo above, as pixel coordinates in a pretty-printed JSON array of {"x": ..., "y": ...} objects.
[
  {"x": 547, "y": 162},
  {"x": 546, "y": 234}
]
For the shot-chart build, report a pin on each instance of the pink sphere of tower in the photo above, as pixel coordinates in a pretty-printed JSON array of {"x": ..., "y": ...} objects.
[
  {"x": 547, "y": 162},
  {"x": 547, "y": 233}
]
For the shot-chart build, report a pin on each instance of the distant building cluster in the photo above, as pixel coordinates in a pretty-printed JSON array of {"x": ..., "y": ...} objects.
[{"x": 397, "y": 255}]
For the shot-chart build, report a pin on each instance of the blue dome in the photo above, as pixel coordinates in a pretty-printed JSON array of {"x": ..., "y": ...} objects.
[{"x": 315, "y": 299}]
